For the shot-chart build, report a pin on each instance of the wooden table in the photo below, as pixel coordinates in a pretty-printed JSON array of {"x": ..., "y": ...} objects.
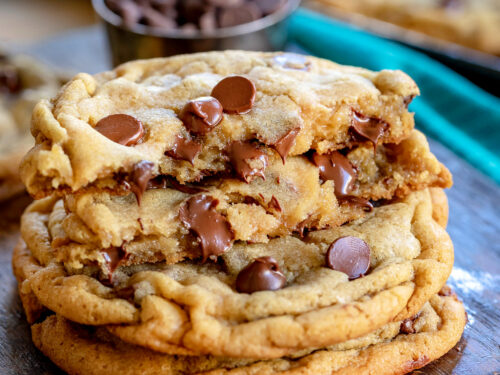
[{"x": 474, "y": 227}]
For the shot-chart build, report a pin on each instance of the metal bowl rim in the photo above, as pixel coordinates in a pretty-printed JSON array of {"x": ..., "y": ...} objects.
[{"x": 110, "y": 17}]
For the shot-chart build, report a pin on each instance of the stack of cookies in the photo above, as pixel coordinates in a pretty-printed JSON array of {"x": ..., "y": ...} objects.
[{"x": 236, "y": 212}]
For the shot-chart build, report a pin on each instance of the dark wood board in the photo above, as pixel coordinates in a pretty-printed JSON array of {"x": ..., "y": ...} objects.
[{"x": 474, "y": 227}]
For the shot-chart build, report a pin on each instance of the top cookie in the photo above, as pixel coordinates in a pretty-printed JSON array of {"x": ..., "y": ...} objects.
[{"x": 183, "y": 113}]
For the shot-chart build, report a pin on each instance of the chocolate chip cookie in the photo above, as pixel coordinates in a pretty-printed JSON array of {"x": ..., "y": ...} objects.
[
  {"x": 184, "y": 113},
  {"x": 435, "y": 330},
  {"x": 471, "y": 23},
  {"x": 280, "y": 297}
]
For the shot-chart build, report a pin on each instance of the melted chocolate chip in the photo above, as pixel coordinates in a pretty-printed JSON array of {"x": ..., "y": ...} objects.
[
  {"x": 262, "y": 274},
  {"x": 250, "y": 200},
  {"x": 292, "y": 61},
  {"x": 415, "y": 364},
  {"x": 408, "y": 99},
  {"x": 202, "y": 115},
  {"x": 9, "y": 80},
  {"x": 236, "y": 94},
  {"x": 212, "y": 229},
  {"x": 368, "y": 128},
  {"x": 285, "y": 143},
  {"x": 247, "y": 160},
  {"x": 407, "y": 326},
  {"x": 143, "y": 172},
  {"x": 336, "y": 167},
  {"x": 123, "y": 129},
  {"x": 184, "y": 149},
  {"x": 164, "y": 182},
  {"x": 188, "y": 189},
  {"x": 274, "y": 204},
  {"x": 446, "y": 291},
  {"x": 365, "y": 204},
  {"x": 304, "y": 225},
  {"x": 350, "y": 255},
  {"x": 159, "y": 182},
  {"x": 113, "y": 256}
]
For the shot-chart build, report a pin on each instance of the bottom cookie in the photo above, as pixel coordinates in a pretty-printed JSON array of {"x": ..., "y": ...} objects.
[{"x": 83, "y": 350}]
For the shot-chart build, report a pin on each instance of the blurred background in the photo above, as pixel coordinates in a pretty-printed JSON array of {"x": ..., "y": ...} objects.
[{"x": 30, "y": 21}]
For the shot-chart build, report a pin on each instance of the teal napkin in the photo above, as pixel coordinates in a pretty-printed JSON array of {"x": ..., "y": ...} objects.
[{"x": 450, "y": 109}]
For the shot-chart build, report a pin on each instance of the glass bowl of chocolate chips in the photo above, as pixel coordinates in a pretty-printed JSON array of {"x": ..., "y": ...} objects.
[{"x": 139, "y": 29}]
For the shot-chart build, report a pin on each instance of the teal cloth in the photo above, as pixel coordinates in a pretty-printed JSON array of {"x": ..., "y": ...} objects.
[{"x": 450, "y": 109}]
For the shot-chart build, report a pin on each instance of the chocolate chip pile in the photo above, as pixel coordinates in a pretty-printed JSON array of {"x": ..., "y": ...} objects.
[{"x": 190, "y": 15}]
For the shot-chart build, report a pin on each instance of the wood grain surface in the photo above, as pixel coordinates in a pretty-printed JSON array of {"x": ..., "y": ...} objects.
[{"x": 474, "y": 226}]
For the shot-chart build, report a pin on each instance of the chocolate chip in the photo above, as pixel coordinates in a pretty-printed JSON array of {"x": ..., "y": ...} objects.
[
  {"x": 129, "y": 11},
  {"x": 164, "y": 182},
  {"x": 123, "y": 129},
  {"x": 208, "y": 21},
  {"x": 212, "y": 229},
  {"x": 9, "y": 80},
  {"x": 202, "y": 115},
  {"x": 336, "y": 167},
  {"x": 292, "y": 61},
  {"x": 285, "y": 143},
  {"x": 247, "y": 160},
  {"x": 191, "y": 10},
  {"x": 365, "y": 204},
  {"x": 414, "y": 364},
  {"x": 226, "y": 3},
  {"x": 304, "y": 225},
  {"x": 154, "y": 18},
  {"x": 446, "y": 291},
  {"x": 159, "y": 182},
  {"x": 184, "y": 188},
  {"x": 350, "y": 255},
  {"x": 235, "y": 16},
  {"x": 113, "y": 256},
  {"x": 236, "y": 94},
  {"x": 274, "y": 204},
  {"x": 250, "y": 200},
  {"x": 368, "y": 128},
  {"x": 184, "y": 149},
  {"x": 407, "y": 326},
  {"x": 262, "y": 274},
  {"x": 269, "y": 6},
  {"x": 143, "y": 172},
  {"x": 408, "y": 99}
]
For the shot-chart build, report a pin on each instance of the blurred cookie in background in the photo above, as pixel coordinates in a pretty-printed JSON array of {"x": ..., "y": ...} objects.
[
  {"x": 23, "y": 82},
  {"x": 471, "y": 23}
]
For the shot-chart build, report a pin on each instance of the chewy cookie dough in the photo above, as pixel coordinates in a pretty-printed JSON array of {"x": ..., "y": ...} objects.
[{"x": 291, "y": 199}]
